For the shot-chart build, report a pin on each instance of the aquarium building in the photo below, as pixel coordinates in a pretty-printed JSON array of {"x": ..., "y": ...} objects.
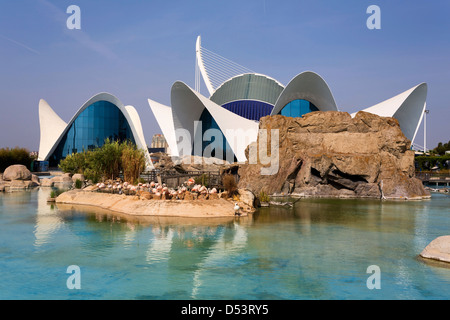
[
  {"x": 239, "y": 97},
  {"x": 220, "y": 123}
]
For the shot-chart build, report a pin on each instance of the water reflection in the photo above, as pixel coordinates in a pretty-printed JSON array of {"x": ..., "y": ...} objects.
[
  {"x": 221, "y": 251},
  {"x": 319, "y": 249},
  {"x": 304, "y": 251},
  {"x": 48, "y": 221},
  {"x": 160, "y": 246}
]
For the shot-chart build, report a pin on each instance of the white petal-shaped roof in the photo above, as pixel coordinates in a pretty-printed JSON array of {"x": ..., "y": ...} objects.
[
  {"x": 407, "y": 107},
  {"x": 309, "y": 86},
  {"x": 52, "y": 127},
  {"x": 163, "y": 115},
  {"x": 187, "y": 107}
]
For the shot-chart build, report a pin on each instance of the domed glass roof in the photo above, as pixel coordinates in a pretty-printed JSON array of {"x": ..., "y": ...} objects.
[{"x": 248, "y": 86}]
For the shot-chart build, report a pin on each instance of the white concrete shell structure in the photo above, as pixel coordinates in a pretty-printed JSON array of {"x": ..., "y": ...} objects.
[
  {"x": 187, "y": 108},
  {"x": 53, "y": 128},
  {"x": 164, "y": 117},
  {"x": 407, "y": 107},
  {"x": 307, "y": 86}
]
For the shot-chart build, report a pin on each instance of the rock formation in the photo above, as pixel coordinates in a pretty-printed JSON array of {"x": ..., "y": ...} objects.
[
  {"x": 438, "y": 249},
  {"x": 188, "y": 163},
  {"x": 18, "y": 177},
  {"x": 139, "y": 206},
  {"x": 63, "y": 181},
  {"x": 16, "y": 172},
  {"x": 330, "y": 154}
]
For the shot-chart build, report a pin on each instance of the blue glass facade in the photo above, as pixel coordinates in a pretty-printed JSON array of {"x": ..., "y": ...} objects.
[
  {"x": 208, "y": 122},
  {"x": 96, "y": 123},
  {"x": 249, "y": 109},
  {"x": 298, "y": 108}
]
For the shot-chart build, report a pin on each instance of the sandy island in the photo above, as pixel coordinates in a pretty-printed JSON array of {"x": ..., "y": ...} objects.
[{"x": 135, "y": 206}]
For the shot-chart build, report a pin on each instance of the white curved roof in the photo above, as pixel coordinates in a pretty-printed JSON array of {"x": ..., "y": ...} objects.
[
  {"x": 187, "y": 108},
  {"x": 407, "y": 107},
  {"x": 309, "y": 86},
  {"x": 163, "y": 115},
  {"x": 53, "y": 128}
]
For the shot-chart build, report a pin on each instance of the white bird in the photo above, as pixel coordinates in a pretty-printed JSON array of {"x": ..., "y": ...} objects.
[{"x": 236, "y": 209}]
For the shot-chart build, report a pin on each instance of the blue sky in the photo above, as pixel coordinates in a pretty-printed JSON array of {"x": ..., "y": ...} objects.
[{"x": 137, "y": 49}]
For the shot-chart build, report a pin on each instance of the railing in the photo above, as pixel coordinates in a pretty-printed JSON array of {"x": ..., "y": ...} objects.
[
  {"x": 431, "y": 179},
  {"x": 426, "y": 176},
  {"x": 174, "y": 179}
]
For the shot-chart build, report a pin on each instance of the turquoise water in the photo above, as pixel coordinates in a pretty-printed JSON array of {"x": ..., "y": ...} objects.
[{"x": 321, "y": 249}]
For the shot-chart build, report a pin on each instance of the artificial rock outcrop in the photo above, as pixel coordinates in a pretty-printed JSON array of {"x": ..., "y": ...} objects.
[
  {"x": 331, "y": 154},
  {"x": 438, "y": 249},
  {"x": 18, "y": 177}
]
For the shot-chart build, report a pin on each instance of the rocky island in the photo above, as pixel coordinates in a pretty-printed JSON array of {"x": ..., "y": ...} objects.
[
  {"x": 438, "y": 250},
  {"x": 142, "y": 206}
]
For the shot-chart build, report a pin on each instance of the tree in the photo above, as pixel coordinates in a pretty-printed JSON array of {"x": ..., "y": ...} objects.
[
  {"x": 442, "y": 148},
  {"x": 9, "y": 157}
]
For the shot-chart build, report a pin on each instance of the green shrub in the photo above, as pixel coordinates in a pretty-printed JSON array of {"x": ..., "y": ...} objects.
[
  {"x": 428, "y": 162},
  {"x": 263, "y": 197},
  {"x": 56, "y": 193},
  {"x": 9, "y": 157},
  {"x": 78, "y": 184},
  {"x": 108, "y": 158},
  {"x": 202, "y": 180},
  {"x": 74, "y": 163},
  {"x": 107, "y": 162},
  {"x": 133, "y": 162}
]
